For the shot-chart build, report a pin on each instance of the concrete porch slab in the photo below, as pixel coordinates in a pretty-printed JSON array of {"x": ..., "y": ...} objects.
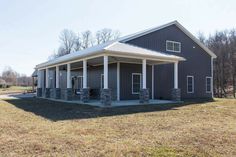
[{"x": 97, "y": 103}]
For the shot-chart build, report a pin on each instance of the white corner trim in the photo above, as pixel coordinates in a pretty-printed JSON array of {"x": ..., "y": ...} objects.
[
  {"x": 192, "y": 77},
  {"x": 140, "y": 75},
  {"x": 212, "y": 77}
]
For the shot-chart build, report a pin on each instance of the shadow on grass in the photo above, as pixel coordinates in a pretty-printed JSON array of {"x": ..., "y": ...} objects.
[{"x": 57, "y": 111}]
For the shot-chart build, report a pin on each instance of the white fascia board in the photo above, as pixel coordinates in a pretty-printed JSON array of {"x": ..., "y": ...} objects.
[
  {"x": 75, "y": 55},
  {"x": 71, "y": 60}
]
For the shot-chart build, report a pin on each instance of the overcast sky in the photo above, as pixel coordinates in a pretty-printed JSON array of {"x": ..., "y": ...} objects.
[{"x": 29, "y": 29}]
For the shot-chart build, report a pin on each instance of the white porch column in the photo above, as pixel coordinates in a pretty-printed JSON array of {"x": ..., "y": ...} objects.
[
  {"x": 68, "y": 76},
  {"x": 84, "y": 73},
  {"x": 105, "y": 63},
  {"x": 118, "y": 81},
  {"x": 153, "y": 82},
  {"x": 57, "y": 77},
  {"x": 39, "y": 84},
  {"x": 47, "y": 78},
  {"x": 144, "y": 72},
  {"x": 176, "y": 75}
]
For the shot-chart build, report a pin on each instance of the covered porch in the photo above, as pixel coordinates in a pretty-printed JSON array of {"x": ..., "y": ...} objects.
[{"x": 98, "y": 76}]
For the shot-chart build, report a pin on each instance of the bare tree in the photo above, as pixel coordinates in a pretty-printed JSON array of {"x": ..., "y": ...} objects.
[
  {"x": 10, "y": 76},
  {"x": 98, "y": 37},
  {"x": 86, "y": 39},
  {"x": 78, "y": 43},
  {"x": 201, "y": 37},
  {"x": 232, "y": 51},
  {"x": 67, "y": 39},
  {"x": 70, "y": 42},
  {"x": 105, "y": 35},
  {"x": 23, "y": 80},
  {"x": 223, "y": 44}
]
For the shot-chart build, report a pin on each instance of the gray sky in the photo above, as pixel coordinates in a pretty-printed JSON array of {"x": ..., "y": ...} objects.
[{"x": 29, "y": 29}]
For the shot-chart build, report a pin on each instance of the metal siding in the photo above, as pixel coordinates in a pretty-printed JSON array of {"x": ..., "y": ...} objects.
[
  {"x": 198, "y": 62},
  {"x": 126, "y": 71},
  {"x": 94, "y": 78}
]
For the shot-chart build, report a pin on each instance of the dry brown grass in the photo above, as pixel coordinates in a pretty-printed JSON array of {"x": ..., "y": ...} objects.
[{"x": 35, "y": 127}]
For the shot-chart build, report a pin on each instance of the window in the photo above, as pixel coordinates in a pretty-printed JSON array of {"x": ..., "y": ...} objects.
[
  {"x": 80, "y": 81},
  {"x": 136, "y": 83},
  {"x": 102, "y": 81},
  {"x": 208, "y": 84},
  {"x": 190, "y": 84},
  {"x": 173, "y": 46}
]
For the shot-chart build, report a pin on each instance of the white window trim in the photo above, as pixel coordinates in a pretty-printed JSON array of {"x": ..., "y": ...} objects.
[
  {"x": 102, "y": 75},
  {"x": 208, "y": 77},
  {"x": 192, "y": 84},
  {"x": 79, "y": 76},
  {"x": 140, "y": 82},
  {"x": 173, "y": 47}
]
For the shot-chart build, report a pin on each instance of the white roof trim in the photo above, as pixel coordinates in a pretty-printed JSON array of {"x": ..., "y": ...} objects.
[
  {"x": 112, "y": 48},
  {"x": 139, "y": 34}
]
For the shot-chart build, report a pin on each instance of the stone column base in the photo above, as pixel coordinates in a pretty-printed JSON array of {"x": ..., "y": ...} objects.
[
  {"x": 84, "y": 94},
  {"x": 68, "y": 94},
  {"x": 58, "y": 93},
  {"x": 144, "y": 96},
  {"x": 106, "y": 97},
  {"x": 47, "y": 93},
  {"x": 176, "y": 94},
  {"x": 39, "y": 92}
]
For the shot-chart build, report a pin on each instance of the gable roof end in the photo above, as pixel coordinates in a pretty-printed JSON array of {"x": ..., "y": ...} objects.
[{"x": 190, "y": 35}]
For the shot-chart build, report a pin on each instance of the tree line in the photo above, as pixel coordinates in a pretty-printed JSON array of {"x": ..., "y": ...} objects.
[
  {"x": 12, "y": 78},
  {"x": 71, "y": 42},
  {"x": 223, "y": 44}
]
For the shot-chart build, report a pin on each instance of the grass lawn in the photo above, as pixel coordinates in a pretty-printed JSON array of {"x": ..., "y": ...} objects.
[
  {"x": 37, "y": 127},
  {"x": 14, "y": 89}
]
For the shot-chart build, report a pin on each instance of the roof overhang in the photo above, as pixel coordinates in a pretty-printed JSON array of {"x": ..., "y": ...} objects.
[{"x": 113, "y": 49}]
